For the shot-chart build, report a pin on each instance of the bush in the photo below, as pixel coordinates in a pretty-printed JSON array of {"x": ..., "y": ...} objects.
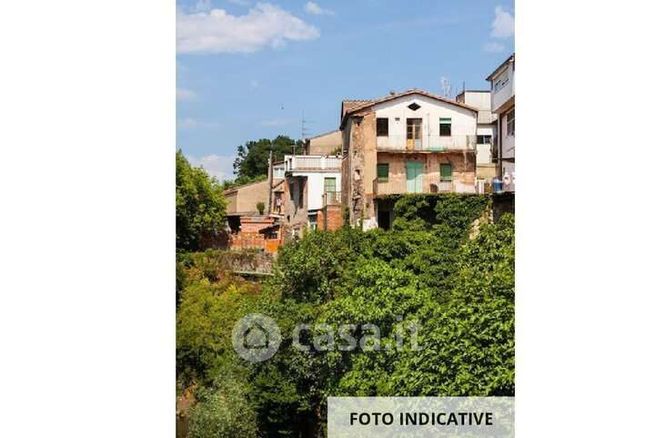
[{"x": 224, "y": 412}]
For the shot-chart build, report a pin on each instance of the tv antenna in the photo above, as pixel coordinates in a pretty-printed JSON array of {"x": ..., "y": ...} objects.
[{"x": 445, "y": 86}]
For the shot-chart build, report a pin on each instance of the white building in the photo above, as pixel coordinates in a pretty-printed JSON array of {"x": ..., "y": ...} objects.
[
  {"x": 410, "y": 142},
  {"x": 485, "y": 133},
  {"x": 502, "y": 104},
  {"x": 313, "y": 185}
]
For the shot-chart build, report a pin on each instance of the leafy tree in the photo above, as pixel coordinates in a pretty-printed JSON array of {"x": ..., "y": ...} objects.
[
  {"x": 251, "y": 162},
  {"x": 199, "y": 206},
  {"x": 223, "y": 412}
]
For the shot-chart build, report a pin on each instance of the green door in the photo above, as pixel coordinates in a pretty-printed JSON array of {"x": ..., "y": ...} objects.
[{"x": 414, "y": 177}]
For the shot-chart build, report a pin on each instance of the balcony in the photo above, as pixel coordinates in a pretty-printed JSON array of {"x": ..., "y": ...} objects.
[
  {"x": 430, "y": 184},
  {"x": 428, "y": 143},
  {"x": 331, "y": 198},
  {"x": 311, "y": 163}
]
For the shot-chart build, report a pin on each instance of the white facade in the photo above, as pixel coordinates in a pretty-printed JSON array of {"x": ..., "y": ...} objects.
[
  {"x": 314, "y": 169},
  {"x": 486, "y": 128},
  {"x": 502, "y": 104},
  {"x": 430, "y": 111}
]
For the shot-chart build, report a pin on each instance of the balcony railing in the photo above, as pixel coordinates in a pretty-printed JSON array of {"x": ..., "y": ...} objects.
[
  {"x": 311, "y": 162},
  {"x": 331, "y": 198},
  {"x": 428, "y": 185},
  {"x": 427, "y": 143}
]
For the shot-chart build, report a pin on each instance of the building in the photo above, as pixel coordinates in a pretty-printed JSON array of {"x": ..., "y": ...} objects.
[
  {"x": 248, "y": 226},
  {"x": 313, "y": 197},
  {"x": 410, "y": 142},
  {"x": 329, "y": 143},
  {"x": 502, "y": 104},
  {"x": 486, "y": 131}
]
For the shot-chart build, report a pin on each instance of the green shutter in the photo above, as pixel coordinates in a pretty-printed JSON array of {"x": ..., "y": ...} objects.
[
  {"x": 446, "y": 172},
  {"x": 330, "y": 185},
  {"x": 383, "y": 172}
]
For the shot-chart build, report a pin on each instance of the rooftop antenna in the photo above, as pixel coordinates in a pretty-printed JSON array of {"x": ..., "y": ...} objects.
[
  {"x": 304, "y": 131},
  {"x": 445, "y": 86}
]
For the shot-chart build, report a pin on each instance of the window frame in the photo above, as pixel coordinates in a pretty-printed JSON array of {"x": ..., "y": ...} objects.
[
  {"x": 325, "y": 180},
  {"x": 443, "y": 178},
  {"x": 377, "y": 173},
  {"x": 377, "y": 126},
  {"x": 445, "y": 122},
  {"x": 511, "y": 121}
]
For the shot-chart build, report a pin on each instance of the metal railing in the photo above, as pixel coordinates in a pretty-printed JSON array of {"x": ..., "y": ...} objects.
[
  {"x": 331, "y": 198},
  {"x": 429, "y": 184},
  {"x": 434, "y": 143},
  {"x": 311, "y": 162}
]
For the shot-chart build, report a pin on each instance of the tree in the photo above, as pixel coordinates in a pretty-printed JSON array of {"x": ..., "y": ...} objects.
[
  {"x": 199, "y": 206},
  {"x": 251, "y": 162}
]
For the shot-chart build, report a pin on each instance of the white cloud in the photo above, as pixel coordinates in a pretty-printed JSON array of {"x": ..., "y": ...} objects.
[
  {"x": 315, "y": 9},
  {"x": 494, "y": 47},
  {"x": 185, "y": 94},
  {"x": 216, "y": 31},
  {"x": 203, "y": 5},
  {"x": 503, "y": 25},
  {"x": 219, "y": 166}
]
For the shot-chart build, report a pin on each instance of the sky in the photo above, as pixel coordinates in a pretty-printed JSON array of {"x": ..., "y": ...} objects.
[{"x": 248, "y": 70}]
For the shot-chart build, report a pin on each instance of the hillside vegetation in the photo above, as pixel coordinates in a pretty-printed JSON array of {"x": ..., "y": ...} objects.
[{"x": 443, "y": 277}]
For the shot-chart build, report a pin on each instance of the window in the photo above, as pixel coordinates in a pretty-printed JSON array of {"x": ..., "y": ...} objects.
[
  {"x": 329, "y": 185},
  {"x": 312, "y": 220},
  {"x": 502, "y": 80},
  {"x": 446, "y": 171},
  {"x": 383, "y": 172},
  {"x": 382, "y": 127},
  {"x": 414, "y": 129},
  {"x": 484, "y": 139},
  {"x": 510, "y": 123},
  {"x": 444, "y": 127},
  {"x": 413, "y": 106}
]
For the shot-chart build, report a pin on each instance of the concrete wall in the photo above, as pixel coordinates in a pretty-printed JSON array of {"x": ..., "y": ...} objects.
[
  {"x": 500, "y": 93},
  {"x": 484, "y": 150},
  {"x": 244, "y": 199},
  {"x": 325, "y": 144},
  {"x": 507, "y": 141},
  {"x": 315, "y": 187}
]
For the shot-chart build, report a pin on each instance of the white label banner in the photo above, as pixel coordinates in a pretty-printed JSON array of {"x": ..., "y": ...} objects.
[{"x": 420, "y": 417}]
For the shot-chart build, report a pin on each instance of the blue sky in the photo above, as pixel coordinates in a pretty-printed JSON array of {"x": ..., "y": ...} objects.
[{"x": 249, "y": 70}]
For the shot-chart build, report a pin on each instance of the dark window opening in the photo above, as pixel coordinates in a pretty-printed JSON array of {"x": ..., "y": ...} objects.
[
  {"x": 414, "y": 106},
  {"x": 444, "y": 127},
  {"x": 384, "y": 219},
  {"x": 484, "y": 139},
  {"x": 382, "y": 127}
]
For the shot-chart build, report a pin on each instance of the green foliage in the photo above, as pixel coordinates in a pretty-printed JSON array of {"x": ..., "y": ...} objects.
[
  {"x": 309, "y": 269},
  {"x": 260, "y": 207},
  {"x": 251, "y": 162},
  {"x": 205, "y": 318},
  {"x": 199, "y": 206},
  {"x": 434, "y": 269},
  {"x": 224, "y": 412}
]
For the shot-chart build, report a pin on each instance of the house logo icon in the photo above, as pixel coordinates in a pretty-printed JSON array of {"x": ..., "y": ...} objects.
[{"x": 256, "y": 337}]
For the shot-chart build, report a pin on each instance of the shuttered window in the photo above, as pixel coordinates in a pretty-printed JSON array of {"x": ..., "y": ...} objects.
[
  {"x": 383, "y": 172},
  {"x": 446, "y": 172}
]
